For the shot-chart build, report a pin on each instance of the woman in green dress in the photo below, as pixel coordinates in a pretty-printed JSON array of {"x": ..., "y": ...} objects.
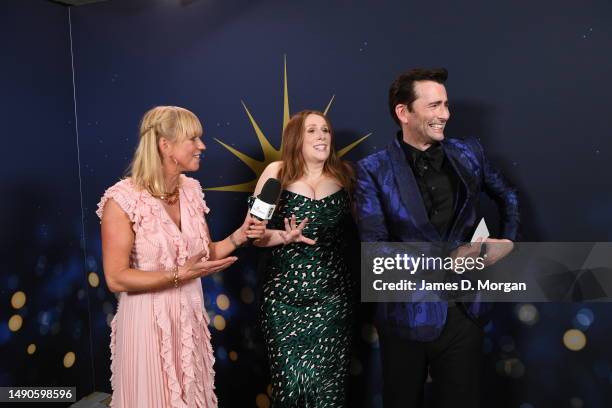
[{"x": 307, "y": 290}]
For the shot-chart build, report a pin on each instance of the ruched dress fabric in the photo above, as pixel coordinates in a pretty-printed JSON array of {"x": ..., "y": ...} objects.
[
  {"x": 160, "y": 343},
  {"x": 306, "y": 305}
]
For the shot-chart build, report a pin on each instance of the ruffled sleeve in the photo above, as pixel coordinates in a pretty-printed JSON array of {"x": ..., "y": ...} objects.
[
  {"x": 124, "y": 194},
  {"x": 195, "y": 194}
]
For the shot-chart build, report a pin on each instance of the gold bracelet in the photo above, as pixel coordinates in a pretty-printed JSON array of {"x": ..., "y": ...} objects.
[{"x": 175, "y": 276}]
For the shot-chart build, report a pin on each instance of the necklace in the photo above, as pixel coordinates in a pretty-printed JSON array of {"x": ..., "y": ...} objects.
[{"x": 171, "y": 198}]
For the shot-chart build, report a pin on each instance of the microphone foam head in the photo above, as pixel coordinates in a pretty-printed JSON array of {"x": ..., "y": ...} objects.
[{"x": 270, "y": 191}]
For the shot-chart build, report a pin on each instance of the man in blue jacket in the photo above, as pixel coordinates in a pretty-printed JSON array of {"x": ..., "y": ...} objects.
[{"x": 425, "y": 188}]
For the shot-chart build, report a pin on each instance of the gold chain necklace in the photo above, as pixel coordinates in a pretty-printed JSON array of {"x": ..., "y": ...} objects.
[{"x": 171, "y": 198}]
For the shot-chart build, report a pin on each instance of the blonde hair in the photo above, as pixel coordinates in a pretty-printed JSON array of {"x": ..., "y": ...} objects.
[{"x": 171, "y": 122}]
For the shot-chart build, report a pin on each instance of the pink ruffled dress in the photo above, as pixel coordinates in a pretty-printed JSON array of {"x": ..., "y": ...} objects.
[{"x": 160, "y": 342}]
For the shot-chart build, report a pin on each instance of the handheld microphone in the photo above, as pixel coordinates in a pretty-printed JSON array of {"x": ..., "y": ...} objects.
[{"x": 265, "y": 203}]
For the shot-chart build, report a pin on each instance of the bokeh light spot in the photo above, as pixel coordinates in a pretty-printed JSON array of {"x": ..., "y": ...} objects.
[
  {"x": 269, "y": 390},
  {"x": 31, "y": 349},
  {"x": 219, "y": 322},
  {"x": 369, "y": 333},
  {"x": 576, "y": 402},
  {"x": 233, "y": 355},
  {"x": 262, "y": 401},
  {"x": 18, "y": 300},
  {"x": 15, "y": 323},
  {"x": 528, "y": 314},
  {"x": 584, "y": 319},
  {"x": 94, "y": 279},
  {"x": 223, "y": 302},
  {"x": 517, "y": 368},
  {"x": 69, "y": 359},
  {"x": 511, "y": 367},
  {"x": 574, "y": 340}
]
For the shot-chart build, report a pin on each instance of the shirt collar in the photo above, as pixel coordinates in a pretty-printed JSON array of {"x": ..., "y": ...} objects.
[{"x": 434, "y": 154}]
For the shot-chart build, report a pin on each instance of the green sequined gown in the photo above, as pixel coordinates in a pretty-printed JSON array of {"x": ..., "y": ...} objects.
[{"x": 307, "y": 304}]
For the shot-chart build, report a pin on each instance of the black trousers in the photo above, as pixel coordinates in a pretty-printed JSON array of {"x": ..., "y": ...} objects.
[{"x": 454, "y": 361}]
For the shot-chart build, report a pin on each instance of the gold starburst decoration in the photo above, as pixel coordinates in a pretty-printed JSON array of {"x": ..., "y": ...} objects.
[{"x": 270, "y": 152}]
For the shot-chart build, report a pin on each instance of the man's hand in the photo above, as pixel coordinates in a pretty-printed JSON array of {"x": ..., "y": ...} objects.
[
  {"x": 470, "y": 250},
  {"x": 497, "y": 249}
]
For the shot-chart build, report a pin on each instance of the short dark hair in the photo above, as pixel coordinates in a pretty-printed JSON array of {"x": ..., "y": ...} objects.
[{"x": 402, "y": 89}]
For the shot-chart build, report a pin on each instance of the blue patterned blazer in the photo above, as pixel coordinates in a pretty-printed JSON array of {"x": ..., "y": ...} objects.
[{"x": 390, "y": 209}]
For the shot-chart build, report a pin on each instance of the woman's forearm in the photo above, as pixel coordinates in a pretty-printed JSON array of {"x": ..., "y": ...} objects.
[
  {"x": 136, "y": 280},
  {"x": 271, "y": 238},
  {"x": 221, "y": 249},
  {"x": 251, "y": 229}
]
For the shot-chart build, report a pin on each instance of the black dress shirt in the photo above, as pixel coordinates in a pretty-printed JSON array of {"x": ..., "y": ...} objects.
[{"x": 437, "y": 181}]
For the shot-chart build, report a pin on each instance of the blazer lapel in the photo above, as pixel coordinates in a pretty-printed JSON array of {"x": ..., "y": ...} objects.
[
  {"x": 409, "y": 191},
  {"x": 466, "y": 182}
]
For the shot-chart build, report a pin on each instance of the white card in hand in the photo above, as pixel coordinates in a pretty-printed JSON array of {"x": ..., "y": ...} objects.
[{"x": 481, "y": 231}]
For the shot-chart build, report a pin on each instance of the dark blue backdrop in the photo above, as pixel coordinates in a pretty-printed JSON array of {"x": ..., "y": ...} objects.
[{"x": 528, "y": 78}]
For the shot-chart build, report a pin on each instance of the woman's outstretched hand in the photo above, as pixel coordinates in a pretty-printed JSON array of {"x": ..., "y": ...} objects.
[
  {"x": 195, "y": 267},
  {"x": 293, "y": 232}
]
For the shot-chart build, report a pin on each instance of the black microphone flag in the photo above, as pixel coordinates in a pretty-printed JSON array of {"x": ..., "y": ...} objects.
[{"x": 265, "y": 203}]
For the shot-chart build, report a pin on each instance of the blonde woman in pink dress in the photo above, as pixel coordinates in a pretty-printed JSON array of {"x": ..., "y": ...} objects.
[{"x": 155, "y": 247}]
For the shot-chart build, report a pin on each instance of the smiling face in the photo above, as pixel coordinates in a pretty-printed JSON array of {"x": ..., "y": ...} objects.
[
  {"x": 424, "y": 123},
  {"x": 316, "y": 143},
  {"x": 186, "y": 152}
]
